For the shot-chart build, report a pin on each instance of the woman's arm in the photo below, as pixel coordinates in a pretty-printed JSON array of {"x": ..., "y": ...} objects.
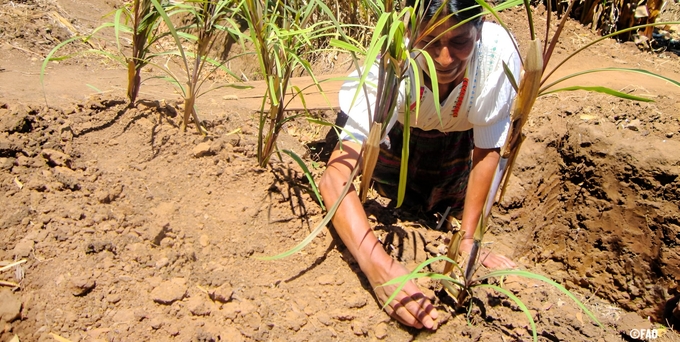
[
  {"x": 484, "y": 162},
  {"x": 410, "y": 307}
]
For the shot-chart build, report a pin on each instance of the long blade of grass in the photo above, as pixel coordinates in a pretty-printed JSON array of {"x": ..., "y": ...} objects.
[
  {"x": 403, "y": 167},
  {"x": 173, "y": 31},
  {"x": 416, "y": 274},
  {"x": 639, "y": 71},
  {"x": 603, "y": 90},
  {"x": 517, "y": 301},
  {"x": 547, "y": 76},
  {"x": 530, "y": 275},
  {"x": 308, "y": 174}
]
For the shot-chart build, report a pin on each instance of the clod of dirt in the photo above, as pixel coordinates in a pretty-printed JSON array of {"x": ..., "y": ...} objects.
[
  {"x": 326, "y": 279},
  {"x": 202, "y": 150},
  {"x": 223, "y": 293},
  {"x": 380, "y": 331},
  {"x": 17, "y": 123},
  {"x": 56, "y": 158},
  {"x": 634, "y": 125},
  {"x": 168, "y": 292},
  {"x": 105, "y": 196},
  {"x": 355, "y": 302},
  {"x": 198, "y": 307},
  {"x": 23, "y": 248},
  {"x": 82, "y": 285},
  {"x": 359, "y": 329},
  {"x": 324, "y": 318},
  {"x": 99, "y": 246},
  {"x": 295, "y": 320},
  {"x": 342, "y": 315},
  {"x": 68, "y": 177},
  {"x": 10, "y": 306}
]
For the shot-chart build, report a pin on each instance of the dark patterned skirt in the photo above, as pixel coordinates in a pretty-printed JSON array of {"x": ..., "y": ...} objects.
[{"x": 438, "y": 170}]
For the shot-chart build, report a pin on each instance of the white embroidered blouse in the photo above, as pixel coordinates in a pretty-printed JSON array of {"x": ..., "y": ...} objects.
[{"x": 485, "y": 108}]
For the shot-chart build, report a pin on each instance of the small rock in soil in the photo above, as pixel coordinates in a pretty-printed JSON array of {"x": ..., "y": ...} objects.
[
  {"x": 231, "y": 310},
  {"x": 342, "y": 315},
  {"x": 56, "y": 158},
  {"x": 67, "y": 177},
  {"x": 156, "y": 323},
  {"x": 359, "y": 329},
  {"x": 223, "y": 293},
  {"x": 105, "y": 196},
  {"x": 168, "y": 292},
  {"x": 355, "y": 302},
  {"x": 634, "y": 125},
  {"x": 99, "y": 246},
  {"x": 204, "y": 240},
  {"x": 324, "y": 318},
  {"x": 82, "y": 285},
  {"x": 326, "y": 279},
  {"x": 202, "y": 150},
  {"x": 23, "y": 248},
  {"x": 198, "y": 307},
  {"x": 162, "y": 262},
  {"x": 380, "y": 331},
  {"x": 294, "y": 320},
  {"x": 10, "y": 306}
]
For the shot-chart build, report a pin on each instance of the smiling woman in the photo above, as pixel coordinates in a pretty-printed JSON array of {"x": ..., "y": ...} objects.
[{"x": 453, "y": 152}]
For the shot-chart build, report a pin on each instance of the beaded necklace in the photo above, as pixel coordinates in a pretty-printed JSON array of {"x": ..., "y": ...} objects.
[{"x": 461, "y": 96}]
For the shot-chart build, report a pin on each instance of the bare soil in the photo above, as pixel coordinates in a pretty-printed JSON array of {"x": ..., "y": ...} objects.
[{"x": 134, "y": 230}]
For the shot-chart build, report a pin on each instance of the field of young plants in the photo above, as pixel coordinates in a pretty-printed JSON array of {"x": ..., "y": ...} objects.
[{"x": 154, "y": 155}]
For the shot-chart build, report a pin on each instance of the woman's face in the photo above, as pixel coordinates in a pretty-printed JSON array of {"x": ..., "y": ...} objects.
[{"x": 451, "y": 51}]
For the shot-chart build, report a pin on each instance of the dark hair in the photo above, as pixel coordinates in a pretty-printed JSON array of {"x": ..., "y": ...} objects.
[{"x": 461, "y": 9}]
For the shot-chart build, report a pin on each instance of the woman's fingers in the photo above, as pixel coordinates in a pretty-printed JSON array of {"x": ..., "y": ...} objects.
[{"x": 412, "y": 308}]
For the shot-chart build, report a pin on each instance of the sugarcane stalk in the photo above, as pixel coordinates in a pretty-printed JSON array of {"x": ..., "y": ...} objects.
[
  {"x": 372, "y": 146},
  {"x": 526, "y": 96}
]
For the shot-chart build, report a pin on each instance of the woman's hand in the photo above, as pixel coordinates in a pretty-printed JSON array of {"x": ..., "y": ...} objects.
[
  {"x": 488, "y": 259},
  {"x": 410, "y": 306}
]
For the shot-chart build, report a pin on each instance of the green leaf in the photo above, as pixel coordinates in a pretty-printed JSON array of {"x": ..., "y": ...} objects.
[
  {"x": 345, "y": 46},
  {"x": 308, "y": 174},
  {"x": 603, "y": 90},
  {"x": 639, "y": 71},
  {"x": 510, "y": 76},
  {"x": 530, "y": 275}
]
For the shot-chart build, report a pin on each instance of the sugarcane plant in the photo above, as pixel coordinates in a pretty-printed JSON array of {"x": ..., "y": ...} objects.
[
  {"x": 205, "y": 20},
  {"x": 140, "y": 20},
  {"x": 281, "y": 33}
]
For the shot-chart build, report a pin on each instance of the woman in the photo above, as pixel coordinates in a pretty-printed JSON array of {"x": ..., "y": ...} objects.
[{"x": 451, "y": 161}]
